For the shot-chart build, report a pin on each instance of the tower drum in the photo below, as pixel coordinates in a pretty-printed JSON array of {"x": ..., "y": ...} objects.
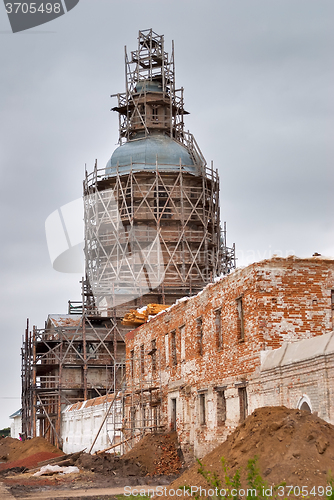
[{"x": 152, "y": 227}]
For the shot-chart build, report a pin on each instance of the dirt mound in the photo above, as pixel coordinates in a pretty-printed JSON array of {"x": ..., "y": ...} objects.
[
  {"x": 104, "y": 463},
  {"x": 157, "y": 453},
  {"x": 13, "y": 449},
  {"x": 292, "y": 445},
  {"x": 28, "y": 462}
]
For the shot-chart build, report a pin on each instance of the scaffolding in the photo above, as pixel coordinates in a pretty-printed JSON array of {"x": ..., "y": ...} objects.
[
  {"x": 152, "y": 235},
  {"x": 164, "y": 242},
  {"x": 152, "y": 216},
  {"x": 137, "y": 409},
  {"x": 70, "y": 360}
]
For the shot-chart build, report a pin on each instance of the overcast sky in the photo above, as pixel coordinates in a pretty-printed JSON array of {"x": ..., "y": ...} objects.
[{"x": 258, "y": 79}]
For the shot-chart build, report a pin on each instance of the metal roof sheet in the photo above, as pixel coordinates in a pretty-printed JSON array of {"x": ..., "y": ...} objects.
[{"x": 145, "y": 153}]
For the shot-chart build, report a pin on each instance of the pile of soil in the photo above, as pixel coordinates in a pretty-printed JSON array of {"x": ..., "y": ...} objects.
[
  {"x": 107, "y": 464},
  {"x": 13, "y": 450},
  {"x": 154, "y": 455},
  {"x": 158, "y": 454},
  {"x": 291, "y": 445}
]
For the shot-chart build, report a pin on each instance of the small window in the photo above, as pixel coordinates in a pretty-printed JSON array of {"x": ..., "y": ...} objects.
[
  {"x": 221, "y": 407},
  {"x": 173, "y": 414},
  {"x": 202, "y": 412},
  {"x": 173, "y": 347},
  {"x": 91, "y": 351},
  {"x": 218, "y": 326},
  {"x": 199, "y": 326},
  {"x": 182, "y": 342},
  {"x": 132, "y": 363},
  {"x": 132, "y": 418},
  {"x": 305, "y": 407},
  {"x": 166, "y": 349},
  {"x": 240, "y": 320},
  {"x": 155, "y": 417},
  {"x": 155, "y": 113},
  {"x": 332, "y": 299},
  {"x": 243, "y": 403},
  {"x": 142, "y": 359},
  {"x": 153, "y": 354},
  {"x": 161, "y": 203}
]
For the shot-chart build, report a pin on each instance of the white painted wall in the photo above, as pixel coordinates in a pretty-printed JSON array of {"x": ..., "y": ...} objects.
[
  {"x": 79, "y": 427},
  {"x": 16, "y": 427}
]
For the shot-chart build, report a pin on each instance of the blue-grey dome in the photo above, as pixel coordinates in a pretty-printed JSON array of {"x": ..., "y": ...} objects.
[{"x": 142, "y": 154}]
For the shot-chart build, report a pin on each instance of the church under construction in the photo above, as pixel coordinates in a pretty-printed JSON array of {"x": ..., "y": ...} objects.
[{"x": 152, "y": 236}]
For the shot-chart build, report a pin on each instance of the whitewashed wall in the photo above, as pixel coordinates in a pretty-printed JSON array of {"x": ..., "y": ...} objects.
[
  {"x": 16, "y": 427},
  {"x": 298, "y": 372},
  {"x": 80, "y": 426}
]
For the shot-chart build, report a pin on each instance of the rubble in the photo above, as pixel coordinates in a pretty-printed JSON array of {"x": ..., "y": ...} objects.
[{"x": 159, "y": 454}]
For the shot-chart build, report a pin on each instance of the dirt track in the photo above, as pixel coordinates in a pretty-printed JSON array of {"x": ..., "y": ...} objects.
[
  {"x": 292, "y": 446},
  {"x": 79, "y": 494}
]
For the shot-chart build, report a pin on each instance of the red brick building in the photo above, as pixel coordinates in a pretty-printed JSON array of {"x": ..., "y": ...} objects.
[{"x": 196, "y": 367}]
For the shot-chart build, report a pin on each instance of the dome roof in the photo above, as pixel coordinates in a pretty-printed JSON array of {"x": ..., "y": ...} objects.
[{"x": 142, "y": 154}]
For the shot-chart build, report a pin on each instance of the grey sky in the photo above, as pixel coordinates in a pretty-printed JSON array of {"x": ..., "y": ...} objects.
[{"x": 258, "y": 79}]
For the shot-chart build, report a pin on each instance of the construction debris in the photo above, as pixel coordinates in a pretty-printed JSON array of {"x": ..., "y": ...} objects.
[
  {"x": 158, "y": 454},
  {"x": 50, "y": 470},
  {"x": 137, "y": 317},
  {"x": 293, "y": 447}
]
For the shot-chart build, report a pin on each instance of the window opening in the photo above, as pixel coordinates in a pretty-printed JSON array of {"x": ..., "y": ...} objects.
[
  {"x": 173, "y": 347},
  {"x": 173, "y": 414},
  {"x": 142, "y": 354},
  {"x": 243, "y": 403},
  {"x": 132, "y": 363},
  {"x": 161, "y": 203},
  {"x": 155, "y": 113},
  {"x": 240, "y": 321},
  {"x": 221, "y": 407},
  {"x": 153, "y": 354},
  {"x": 305, "y": 407},
  {"x": 183, "y": 342},
  {"x": 218, "y": 325},
  {"x": 202, "y": 413},
  {"x": 200, "y": 336}
]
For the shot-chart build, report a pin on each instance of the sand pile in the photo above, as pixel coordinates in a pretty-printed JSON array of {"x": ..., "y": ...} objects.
[
  {"x": 293, "y": 446},
  {"x": 107, "y": 464},
  {"x": 13, "y": 451},
  {"x": 157, "y": 453}
]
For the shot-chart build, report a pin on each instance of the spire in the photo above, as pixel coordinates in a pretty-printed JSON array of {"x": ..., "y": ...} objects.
[{"x": 151, "y": 104}]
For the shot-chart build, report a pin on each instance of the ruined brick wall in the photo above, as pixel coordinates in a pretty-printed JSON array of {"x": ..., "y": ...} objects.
[{"x": 209, "y": 346}]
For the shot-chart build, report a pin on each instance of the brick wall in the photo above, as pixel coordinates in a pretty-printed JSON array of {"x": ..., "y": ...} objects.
[{"x": 207, "y": 354}]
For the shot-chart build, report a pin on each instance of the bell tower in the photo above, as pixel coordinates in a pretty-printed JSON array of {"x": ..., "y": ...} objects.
[{"x": 152, "y": 218}]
